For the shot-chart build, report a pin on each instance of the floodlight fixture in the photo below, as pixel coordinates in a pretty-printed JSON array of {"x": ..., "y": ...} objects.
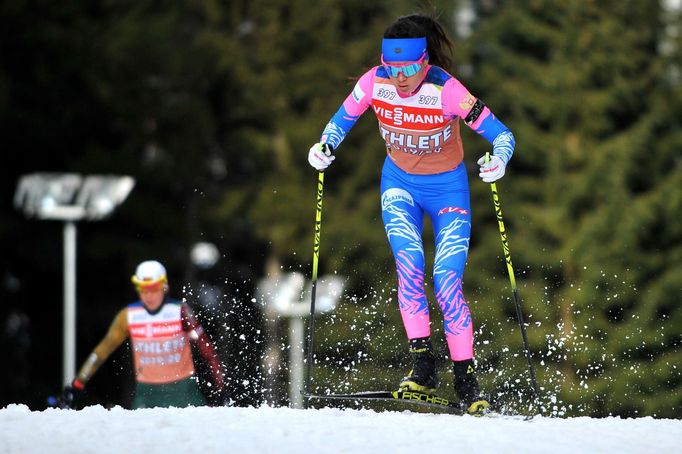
[{"x": 70, "y": 196}]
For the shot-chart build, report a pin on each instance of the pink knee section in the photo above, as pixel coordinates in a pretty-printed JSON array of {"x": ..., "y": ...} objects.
[
  {"x": 461, "y": 346},
  {"x": 416, "y": 326}
]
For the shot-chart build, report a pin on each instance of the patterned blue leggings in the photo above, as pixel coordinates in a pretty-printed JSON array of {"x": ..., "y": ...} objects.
[{"x": 444, "y": 197}]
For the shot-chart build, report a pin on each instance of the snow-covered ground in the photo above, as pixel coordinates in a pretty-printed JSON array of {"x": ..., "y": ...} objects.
[{"x": 283, "y": 430}]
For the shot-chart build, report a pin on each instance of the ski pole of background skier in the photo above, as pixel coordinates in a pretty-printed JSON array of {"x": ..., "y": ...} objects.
[
  {"x": 515, "y": 292},
  {"x": 313, "y": 289}
]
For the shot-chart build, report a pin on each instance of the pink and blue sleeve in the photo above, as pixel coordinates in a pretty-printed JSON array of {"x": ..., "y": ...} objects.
[
  {"x": 352, "y": 108},
  {"x": 458, "y": 102}
]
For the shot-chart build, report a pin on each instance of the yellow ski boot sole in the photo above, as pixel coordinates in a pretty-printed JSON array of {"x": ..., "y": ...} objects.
[
  {"x": 409, "y": 385},
  {"x": 478, "y": 408}
]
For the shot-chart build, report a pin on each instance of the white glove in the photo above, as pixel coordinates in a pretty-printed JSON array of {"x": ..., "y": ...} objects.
[
  {"x": 492, "y": 170},
  {"x": 320, "y": 156}
]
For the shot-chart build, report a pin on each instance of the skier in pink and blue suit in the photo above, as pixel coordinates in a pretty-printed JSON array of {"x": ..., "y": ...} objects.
[{"x": 419, "y": 106}]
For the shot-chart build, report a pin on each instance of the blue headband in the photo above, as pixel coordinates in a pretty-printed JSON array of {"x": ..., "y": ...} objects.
[{"x": 403, "y": 49}]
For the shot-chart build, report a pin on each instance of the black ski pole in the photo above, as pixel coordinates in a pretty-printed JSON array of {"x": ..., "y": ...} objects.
[
  {"x": 313, "y": 289},
  {"x": 515, "y": 292}
]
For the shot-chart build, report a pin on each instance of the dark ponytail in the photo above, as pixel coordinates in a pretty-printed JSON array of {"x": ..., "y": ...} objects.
[{"x": 418, "y": 25}]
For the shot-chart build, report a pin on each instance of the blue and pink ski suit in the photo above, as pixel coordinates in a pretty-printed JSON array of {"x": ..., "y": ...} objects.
[{"x": 423, "y": 174}]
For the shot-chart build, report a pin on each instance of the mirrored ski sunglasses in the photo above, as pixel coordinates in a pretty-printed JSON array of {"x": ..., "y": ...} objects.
[{"x": 408, "y": 69}]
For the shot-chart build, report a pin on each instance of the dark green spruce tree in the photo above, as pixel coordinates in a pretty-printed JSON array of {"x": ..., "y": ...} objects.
[{"x": 591, "y": 197}]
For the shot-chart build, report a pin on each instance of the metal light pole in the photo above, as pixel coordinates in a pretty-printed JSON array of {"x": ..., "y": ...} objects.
[
  {"x": 69, "y": 198},
  {"x": 69, "y": 315}
]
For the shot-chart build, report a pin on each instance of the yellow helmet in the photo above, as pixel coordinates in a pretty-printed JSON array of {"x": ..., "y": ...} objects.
[{"x": 149, "y": 274}]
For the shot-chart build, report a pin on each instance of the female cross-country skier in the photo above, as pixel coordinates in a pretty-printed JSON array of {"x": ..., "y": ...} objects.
[
  {"x": 160, "y": 330},
  {"x": 419, "y": 106}
]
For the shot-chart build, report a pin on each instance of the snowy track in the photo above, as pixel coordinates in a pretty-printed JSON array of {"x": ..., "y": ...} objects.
[{"x": 283, "y": 430}]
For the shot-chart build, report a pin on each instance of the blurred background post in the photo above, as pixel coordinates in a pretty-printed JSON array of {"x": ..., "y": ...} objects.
[{"x": 287, "y": 295}]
